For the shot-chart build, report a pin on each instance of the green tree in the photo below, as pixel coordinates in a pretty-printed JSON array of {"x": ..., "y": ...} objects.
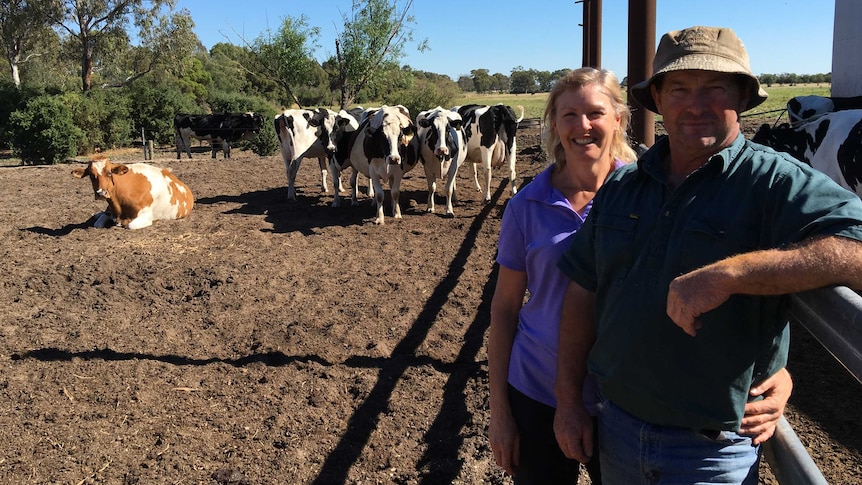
[
  {"x": 94, "y": 22},
  {"x": 374, "y": 35},
  {"x": 23, "y": 27},
  {"x": 481, "y": 80},
  {"x": 465, "y": 83},
  {"x": 286, "y": 56}
]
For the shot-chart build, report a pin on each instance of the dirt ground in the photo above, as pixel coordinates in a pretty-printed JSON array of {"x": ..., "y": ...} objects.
[{"x": 261, "y": 341}]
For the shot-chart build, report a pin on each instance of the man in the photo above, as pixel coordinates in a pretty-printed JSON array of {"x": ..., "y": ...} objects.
[{"x": 678, "y": 272}]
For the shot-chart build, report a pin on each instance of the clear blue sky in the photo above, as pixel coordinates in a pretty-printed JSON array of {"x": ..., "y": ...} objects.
[{"x": 780, "y": 35}]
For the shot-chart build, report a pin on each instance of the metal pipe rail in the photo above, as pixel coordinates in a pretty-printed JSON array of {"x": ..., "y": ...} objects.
[{"x": 834, "y": 317}]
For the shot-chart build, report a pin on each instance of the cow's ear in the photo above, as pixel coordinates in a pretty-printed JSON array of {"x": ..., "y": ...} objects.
[
  {"x": 457, "y": 124},
  {"x": 120, "y": 170},
  {"x": 78, "y": 173}
]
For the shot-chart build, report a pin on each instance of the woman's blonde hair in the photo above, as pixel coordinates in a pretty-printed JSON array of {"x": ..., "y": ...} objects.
[{"x": 609, "y": 85}]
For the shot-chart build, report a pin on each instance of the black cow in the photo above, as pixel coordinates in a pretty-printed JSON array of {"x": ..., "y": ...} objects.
[
  {"x": 220, "y": 129},
  {"x": 490, "y": 134}
]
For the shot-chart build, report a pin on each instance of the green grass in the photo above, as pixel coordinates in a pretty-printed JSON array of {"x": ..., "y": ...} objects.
[{"x": 534, "y": 104}]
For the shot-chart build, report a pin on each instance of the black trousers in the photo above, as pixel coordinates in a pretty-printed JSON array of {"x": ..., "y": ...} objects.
[{"x": 541, "y": 460}]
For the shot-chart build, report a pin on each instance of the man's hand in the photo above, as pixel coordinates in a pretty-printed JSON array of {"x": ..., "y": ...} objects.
[
  {"x": 694, "y": 294},
  {"x": 573, "y": 427},
  {"x": 761, "y": 417}
]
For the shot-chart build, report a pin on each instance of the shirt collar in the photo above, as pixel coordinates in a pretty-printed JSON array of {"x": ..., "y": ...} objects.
[{"x": 651, "y": 161}]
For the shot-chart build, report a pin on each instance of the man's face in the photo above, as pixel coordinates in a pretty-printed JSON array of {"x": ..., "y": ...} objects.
[{"x": 700, "y": 109}]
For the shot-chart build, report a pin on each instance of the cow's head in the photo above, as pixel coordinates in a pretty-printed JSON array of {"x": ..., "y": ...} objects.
[
  {"x": 439, "y": 128},
  {"x": 388, "y": 134},
  {"x": 101, "y": 172}
]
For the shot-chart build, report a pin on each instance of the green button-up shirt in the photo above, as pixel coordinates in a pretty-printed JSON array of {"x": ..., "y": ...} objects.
[{"x": 640, "y": 235}]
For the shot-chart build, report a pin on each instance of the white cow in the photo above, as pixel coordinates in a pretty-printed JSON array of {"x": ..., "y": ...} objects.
[
  {"x": 305, "y": 133},
  {"x": 490, "y": 140},
  {"x": 384, "y": 149},
  {"x": 442, "y": 149}
]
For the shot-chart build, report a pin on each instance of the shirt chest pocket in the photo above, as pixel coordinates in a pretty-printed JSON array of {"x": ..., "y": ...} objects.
[
  {"x": 615, "y": 239},
  {"x": 707, "y": 241}
]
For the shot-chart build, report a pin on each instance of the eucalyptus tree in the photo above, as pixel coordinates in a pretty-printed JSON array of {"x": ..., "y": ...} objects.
[
  {"x": 101, "y": 27},
  {"x": 24, "y": 24},
  {"x": 286, "y": 57},
  {"x": 374, "y": 36}
]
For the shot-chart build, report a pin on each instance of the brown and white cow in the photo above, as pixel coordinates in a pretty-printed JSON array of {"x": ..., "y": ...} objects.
[
  {"x": 384, "y": 149},
  {"x": 304, "y": 133},
  {"x": 137, "y": 193},
  {"x": 490, "y": 140},
  {"x": 442, "y": 149},
  {"x": 220, "y": 129}
]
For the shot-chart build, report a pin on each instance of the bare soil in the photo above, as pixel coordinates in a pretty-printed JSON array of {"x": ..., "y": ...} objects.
[{"x": 262, "y": 341}]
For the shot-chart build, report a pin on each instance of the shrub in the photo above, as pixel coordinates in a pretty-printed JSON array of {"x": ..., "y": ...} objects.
[
  {"x": 424, "y": 95},
  {"x": 104, "y": 117},
  {"x": 43, "y": 132},
  {"x": 153, "y": 107}
]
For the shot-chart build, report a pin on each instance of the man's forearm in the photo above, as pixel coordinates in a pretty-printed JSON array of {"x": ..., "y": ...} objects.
[
  {"x": 813, "y": 263},
  {"x": 577, "y": 333}
]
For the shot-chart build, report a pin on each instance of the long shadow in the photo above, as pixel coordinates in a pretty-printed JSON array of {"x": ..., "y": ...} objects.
[
  {"x": 443, "y": 437},
  {"x": 272, "y": 359},
  {"x": 365, "y": 418}
]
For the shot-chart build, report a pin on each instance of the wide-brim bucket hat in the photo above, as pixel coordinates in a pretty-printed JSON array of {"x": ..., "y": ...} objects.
[{"x": 700, "y": 48}]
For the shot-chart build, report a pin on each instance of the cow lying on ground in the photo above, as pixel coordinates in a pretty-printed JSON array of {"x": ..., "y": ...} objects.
[
  {"x": 383, "y": 149},
  {"x": 220, "y": 129},
  {"x": 305, "y": 133},
  {"x": 442, "y": 149},
  {"x": 490, "y": 140},
  {"x": 137, "y": 193},
  {"x": 805, "y": 108},
  {"x": 831, "y": 143}
]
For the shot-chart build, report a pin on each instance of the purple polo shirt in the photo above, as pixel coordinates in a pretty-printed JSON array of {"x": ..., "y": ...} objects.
[{"x": 537, "y": 228}]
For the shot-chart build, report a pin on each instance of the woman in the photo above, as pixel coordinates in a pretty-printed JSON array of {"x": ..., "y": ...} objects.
[{"x": 586, "y": 121}]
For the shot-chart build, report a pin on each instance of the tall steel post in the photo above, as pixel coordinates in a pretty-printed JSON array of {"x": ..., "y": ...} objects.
[{"x": 641, "y": 45}]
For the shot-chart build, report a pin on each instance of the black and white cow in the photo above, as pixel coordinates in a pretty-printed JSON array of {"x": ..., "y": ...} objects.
[
  {"x": 442, "y": 149},
  {"x": 384, "y": 149},
  {"x": 831, "y": 143},
  {"x": 805, "y": 108},
  {"x": 304, "y": 133},
  {"x": 219, "y": 129},
  {"x": 490, "y": 140}
]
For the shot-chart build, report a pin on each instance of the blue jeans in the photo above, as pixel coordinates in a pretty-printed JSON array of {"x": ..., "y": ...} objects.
[{"x": 634, "y": 452}]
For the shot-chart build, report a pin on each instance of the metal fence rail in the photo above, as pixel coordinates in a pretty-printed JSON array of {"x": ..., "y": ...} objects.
[{"x": 834, "y": 317}]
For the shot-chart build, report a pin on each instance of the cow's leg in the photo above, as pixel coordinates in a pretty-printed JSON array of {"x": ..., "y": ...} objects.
[
  {"x": 432, "y": 186},
  {"x": 476, "y": 175},
  {"x": 292, "y": 169},
  {"x": 395, "y": 190},
  {"x": 321, "y": 161},
  {"x": 226, "y": 149},
  {"x": 450, "y": 188},
  {"x": 378, "y": 195},
  {"x": 512, "y": 175},
  {"x": 335, "y": 172},
  {"x": 355, "y": 187},
  {"x": 486, "y": 162}
]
